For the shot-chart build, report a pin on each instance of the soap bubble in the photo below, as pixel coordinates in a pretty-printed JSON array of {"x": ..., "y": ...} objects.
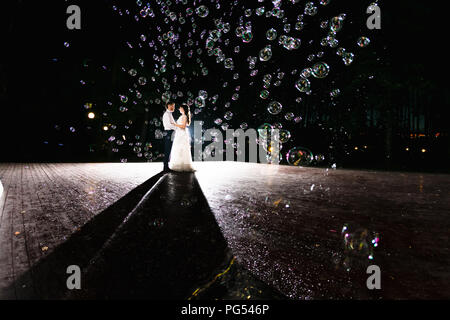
[
  {"x": 264, "y": 94},
  {"x": 320, "y": 70},
  {"x": 289, "y": 116},
  {"x": 340, "y": 51},
  {"x": 299, "y": 25},
  {"x": 285, "y": 135},
  {"x": 319, "y": 158},
  {"x": 274, "y": 107},
  {"x": 363, "y": 42},
  {"x": 266, "y": 53},
  {"x": 183, "y": 50},
  {"x": 348, "y": 57},
  {"x": 247, "y": 36},
  {"x": 228, "y": 115},
  {"x": 271, "y": 34},
  {"x": 203, "y": 94},
  {"x": 310, "y": 9},
  {"x": 306, "y": 73},
  {"x": 299, "y": 156},
  {"x": 335, "y": 93},
  {"x": 199, "y": 102},
  {"x": 303, "y": 85},
  {"x": 229, "y": 63},
  {"x": 202, "y": 11},
  {"x": 336, "y": 24},
  {"x": 142, "y": 81},
  {"x": 158, "y": 134},
  {"x": 359, "y": 242}
]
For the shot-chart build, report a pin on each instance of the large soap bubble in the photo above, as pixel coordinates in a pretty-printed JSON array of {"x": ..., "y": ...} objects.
[
  {"x": 299, "y": 156},
  {"x": 320, "y": 70}
]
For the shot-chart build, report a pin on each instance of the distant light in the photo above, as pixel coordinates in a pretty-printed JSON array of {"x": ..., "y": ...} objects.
[
  {"x": 407, "y": 149},
  {"x": 105, "y": 128},
  {"x": 91, "y": 115},
  {"x": 424, "y": 150},
  {"x": 365, "y": 147},
  {"x": 356, "y": 148}
]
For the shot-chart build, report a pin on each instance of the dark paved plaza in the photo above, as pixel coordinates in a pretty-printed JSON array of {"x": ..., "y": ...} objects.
[{"x": 229, "y": 231}]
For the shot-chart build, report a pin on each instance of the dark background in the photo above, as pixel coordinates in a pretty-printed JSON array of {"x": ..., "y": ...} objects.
[{"x": 41, "y": 96}]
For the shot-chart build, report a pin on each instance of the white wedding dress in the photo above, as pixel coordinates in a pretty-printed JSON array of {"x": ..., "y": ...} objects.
[{"x": 180, "y": 155}]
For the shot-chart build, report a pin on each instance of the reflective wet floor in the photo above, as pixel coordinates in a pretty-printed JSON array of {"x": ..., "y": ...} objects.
[
  {"x": 284, "y": 224},
  {"x": 229, "y": 231}
]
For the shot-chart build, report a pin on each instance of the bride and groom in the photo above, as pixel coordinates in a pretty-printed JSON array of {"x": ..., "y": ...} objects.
[{"x": 177, "y": 139}]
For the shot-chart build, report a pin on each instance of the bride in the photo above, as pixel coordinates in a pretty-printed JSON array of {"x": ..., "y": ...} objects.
[{"x": 180, "y": 156}]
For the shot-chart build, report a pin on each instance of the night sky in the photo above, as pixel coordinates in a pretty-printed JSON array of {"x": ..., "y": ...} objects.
[{"x": 42, "y": 96}]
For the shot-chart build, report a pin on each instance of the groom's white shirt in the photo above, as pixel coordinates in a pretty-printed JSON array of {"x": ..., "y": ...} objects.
[{"x": 167, "y": 121}]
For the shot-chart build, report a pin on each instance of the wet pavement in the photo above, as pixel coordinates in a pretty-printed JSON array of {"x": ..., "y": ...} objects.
[
  {"x": 168, "y": 247},
  {"x": 43, "y": 204},
  {"x": 252, "y": 231},
  {"x": 284, "y": 225}
]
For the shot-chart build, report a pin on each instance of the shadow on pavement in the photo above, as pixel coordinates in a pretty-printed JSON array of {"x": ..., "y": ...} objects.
[
  {"x": 161, "y": 241},
  {"x": 164, "y": 249},
  {"x": 47, "y": 278}
]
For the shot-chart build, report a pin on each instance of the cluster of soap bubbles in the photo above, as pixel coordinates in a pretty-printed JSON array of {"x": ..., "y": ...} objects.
[
  {"x": 237, "y": 64},
  {"x": 359, "y": 246}
]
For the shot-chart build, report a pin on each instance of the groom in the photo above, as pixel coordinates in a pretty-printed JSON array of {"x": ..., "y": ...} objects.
[{"x": 169, "y": 127}]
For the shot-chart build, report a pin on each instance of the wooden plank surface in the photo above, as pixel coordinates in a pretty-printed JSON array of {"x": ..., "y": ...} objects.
[
  {"x": 282, "y": 223},
  {"x": 43, "y": 204}
]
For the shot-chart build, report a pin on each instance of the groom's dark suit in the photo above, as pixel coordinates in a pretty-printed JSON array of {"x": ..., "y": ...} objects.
[
  {"x": 167, "y": 148},
  {"x": 168, "y": 130}
]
